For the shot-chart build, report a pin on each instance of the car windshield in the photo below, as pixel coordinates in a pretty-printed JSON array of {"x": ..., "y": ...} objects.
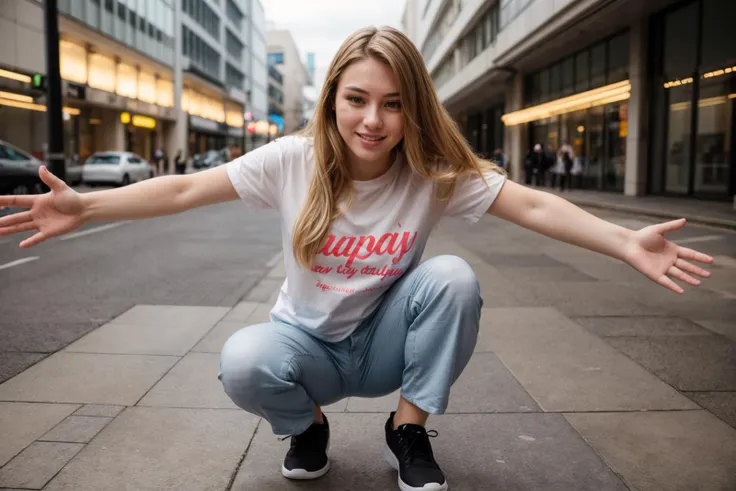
[
  {"x": 104, "y": 159},
  {"x": 10, "y": 153}
]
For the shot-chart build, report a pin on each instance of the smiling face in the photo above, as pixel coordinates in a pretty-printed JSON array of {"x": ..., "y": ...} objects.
[{"x": 369, "y": 116}]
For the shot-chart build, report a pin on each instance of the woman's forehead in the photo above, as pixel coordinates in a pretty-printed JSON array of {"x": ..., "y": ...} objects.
[{"x": 370, "y": 76}]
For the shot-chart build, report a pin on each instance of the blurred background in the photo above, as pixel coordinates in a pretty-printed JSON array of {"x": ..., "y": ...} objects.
[{"x": 632, "y": 97}]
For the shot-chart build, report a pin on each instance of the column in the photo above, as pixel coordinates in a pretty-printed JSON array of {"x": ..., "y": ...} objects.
[
  {"x": 638, "y": 131},
  {"x": 112, "y": 132},
  {"x": 514, "y": 135},
  {"x": 176, "y": 132}
]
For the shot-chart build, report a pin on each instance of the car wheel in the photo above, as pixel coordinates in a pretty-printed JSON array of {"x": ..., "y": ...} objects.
[{"x": 126, "y": 180}]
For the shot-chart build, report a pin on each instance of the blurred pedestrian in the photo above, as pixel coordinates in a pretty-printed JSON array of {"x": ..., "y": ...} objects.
[
  {"x": 534, "y": 166},
  {"x": 567, "y": 158},
  {"x": 180, "y": 163},
  {"x": 359, "y": 192}
]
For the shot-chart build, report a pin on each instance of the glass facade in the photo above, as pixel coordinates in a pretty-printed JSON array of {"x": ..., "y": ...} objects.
[
  {"x": 597, "y": 135},
  {"x": 694, "y": 91}
]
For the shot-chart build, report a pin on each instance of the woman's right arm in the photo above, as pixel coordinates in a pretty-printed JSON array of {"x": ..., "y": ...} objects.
[
  {"x": 62, "y": 209},
  {"x": 165, "y": 195}
]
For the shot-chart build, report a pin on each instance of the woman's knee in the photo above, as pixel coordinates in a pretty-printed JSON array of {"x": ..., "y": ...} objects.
[
  {"x": 248, "y": 363},
  {"x": 453, "y": 274}
]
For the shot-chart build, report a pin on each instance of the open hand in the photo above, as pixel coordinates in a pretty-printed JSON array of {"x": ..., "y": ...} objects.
[
  {"x": 54, "y": 213},
  {"x": 660, "y": 260}
]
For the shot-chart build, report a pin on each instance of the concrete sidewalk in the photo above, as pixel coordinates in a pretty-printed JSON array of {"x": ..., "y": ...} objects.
[{"x": 585, "y": 377}]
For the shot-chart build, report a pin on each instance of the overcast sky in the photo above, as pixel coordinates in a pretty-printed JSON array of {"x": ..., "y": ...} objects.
[{"x": 321, "y": 26}]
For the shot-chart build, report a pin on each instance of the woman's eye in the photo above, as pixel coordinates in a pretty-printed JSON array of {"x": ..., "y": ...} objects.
[
  {"x": 394, "y": 104},
  {"x": 355, "y": 99}
]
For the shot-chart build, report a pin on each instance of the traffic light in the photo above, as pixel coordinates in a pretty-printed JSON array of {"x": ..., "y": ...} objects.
[{"x": 38, "y": 81}]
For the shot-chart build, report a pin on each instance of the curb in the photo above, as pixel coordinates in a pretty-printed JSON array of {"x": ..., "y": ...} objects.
[{"x": 697, "y": 219}]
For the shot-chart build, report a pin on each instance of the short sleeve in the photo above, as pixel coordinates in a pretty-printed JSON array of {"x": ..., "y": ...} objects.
[
  {"x": 473, "y": 196},
  {"x": 258, "y": 176}
]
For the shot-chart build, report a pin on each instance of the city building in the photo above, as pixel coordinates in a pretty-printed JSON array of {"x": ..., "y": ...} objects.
[
  {"x": 276, "y": 96},
  {"x": 644, "y": 92},
  {"x": 124, "y": 85},
  {"x": 284, "y": 54}
]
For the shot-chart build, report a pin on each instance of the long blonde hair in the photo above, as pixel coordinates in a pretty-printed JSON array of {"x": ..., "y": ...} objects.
[{"x": 433, "y": 145}]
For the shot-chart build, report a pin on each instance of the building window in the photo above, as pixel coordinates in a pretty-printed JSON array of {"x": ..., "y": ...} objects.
[
  {"x": 234, "y": 77},
  {"x": 109, "y": 6},
  {"x": 234, "y": 46},
  {"x": 203, "y": 15},
  {"x": 603, "y": 63},
  {"x": 200, "y": 53},
  {"x": 234, "y": 13},
  {"x": 122, "y": 12},
  {"x": 482, "y": 35}
]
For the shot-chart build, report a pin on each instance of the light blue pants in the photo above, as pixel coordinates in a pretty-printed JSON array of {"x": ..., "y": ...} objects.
[{"x": 420, "y": 339}]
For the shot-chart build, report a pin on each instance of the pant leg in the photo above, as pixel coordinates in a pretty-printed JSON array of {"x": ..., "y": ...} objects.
[
  {"x": 280, "y": 372},
  {"x": 423, "y": 334}
]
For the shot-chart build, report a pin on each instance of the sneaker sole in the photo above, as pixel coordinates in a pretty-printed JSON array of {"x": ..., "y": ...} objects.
[
  {"x": 304, "y": 475},
  {"x": 393, "y": 462}
]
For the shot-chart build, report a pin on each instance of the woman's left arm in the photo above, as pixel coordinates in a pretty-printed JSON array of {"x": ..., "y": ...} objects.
[{"x": 646, "y": 250}]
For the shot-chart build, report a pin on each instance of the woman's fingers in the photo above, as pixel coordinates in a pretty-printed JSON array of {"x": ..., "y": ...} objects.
[
  {"x": 50, "y": 179},
  {"x": 14, "y": 229},
  {"x": 32, "y": 241},
  {"x": 666, "y": 282},
  {"x": 15, "y": 219},
  {"x": 676, "y": 272},
  {"x": 21, "y": 201},
  {"x": 691, "y": 268},
  {"x": 686, "y": 253}
]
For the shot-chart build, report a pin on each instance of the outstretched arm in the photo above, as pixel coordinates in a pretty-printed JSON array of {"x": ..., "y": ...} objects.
[
  {"x": 62, "y": 209},
  {"x": 646, "y": 250}
]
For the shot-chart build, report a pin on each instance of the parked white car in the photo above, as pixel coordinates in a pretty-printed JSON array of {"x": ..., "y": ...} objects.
[{"x": 119, "y": 168}]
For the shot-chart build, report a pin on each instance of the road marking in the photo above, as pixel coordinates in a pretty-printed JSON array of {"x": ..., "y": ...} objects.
[
  {"x": 19, "y": 261},
  {"x": 704, "y": 238},
  {"x": 92, "y": 230}
]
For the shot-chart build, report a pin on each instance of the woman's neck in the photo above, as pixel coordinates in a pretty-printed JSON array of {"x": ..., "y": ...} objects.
[{"x": 361, "y": 170}]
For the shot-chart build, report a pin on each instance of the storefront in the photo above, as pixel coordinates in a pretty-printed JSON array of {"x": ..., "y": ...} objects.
[
  {"x": 484, "y": 130},
  {"x": 581, "y": 100},
  {"x": 693, "y": 113}
]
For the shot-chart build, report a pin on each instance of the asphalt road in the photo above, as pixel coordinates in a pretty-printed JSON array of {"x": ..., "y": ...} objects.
[
  {"x": 53, "y": 294},
  {"x": 70, "y": 285}
]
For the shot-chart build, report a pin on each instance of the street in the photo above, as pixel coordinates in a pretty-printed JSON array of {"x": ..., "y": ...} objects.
[{"x": 209, "y": 256}]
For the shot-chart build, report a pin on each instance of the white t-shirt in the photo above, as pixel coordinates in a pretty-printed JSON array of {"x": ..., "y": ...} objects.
[{"x": 381, "y": 236}]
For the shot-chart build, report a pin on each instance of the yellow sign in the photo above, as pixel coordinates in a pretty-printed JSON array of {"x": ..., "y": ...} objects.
[
  {"x": 137, "y": 120},
  {"x": 144, "y": 121}
]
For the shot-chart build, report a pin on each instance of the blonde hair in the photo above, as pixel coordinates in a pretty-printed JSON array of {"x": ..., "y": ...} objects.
[{"x": 433, "y": 145}]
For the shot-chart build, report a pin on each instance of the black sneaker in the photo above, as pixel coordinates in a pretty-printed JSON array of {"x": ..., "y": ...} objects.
[
  {"x": 408, "y": 451},
  {"x": 307, "y": 457}
]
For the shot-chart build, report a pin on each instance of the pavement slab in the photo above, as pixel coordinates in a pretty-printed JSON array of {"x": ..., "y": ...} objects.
[
  {"x": 171, "y": 315},
  {"x": 566, "y": 368},
  {"x": 722, "y": 404},
  {"x": 88, "y": 379},
  {"x": 99, "y": 410},
  {"x": 654, "y": 451},
  {"x": 161, "y": 449},
  {"x": 192, "y": 383},
  {"x": 76, "y": 429},
  {"x": 141, "y": 339},
  {"x": 485, "y": 386},
  {"x": 693, "y": 363},
  {"x": 512, "y": 452},
  {"x": 37, "y": 464},
  {"x": 216, "y": 338},
  {"x": 22, "y": 423},
  {"x": 641, "y": 326},
  {"x": 264, "y": 289}
]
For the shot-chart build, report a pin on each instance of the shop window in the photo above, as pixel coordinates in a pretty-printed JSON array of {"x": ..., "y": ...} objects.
[
  {"x": 719, "y": 34},
  {"x": 618, "y": 58},
  {"x": 544, "y": 87},
  {"x": 582, "y": 71},
  {"x": 568, "y": 76},
  {"x": 555, "y": 82},
  {"x": 680, "y": 42},
  {"x": 598, "y": 65}
]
